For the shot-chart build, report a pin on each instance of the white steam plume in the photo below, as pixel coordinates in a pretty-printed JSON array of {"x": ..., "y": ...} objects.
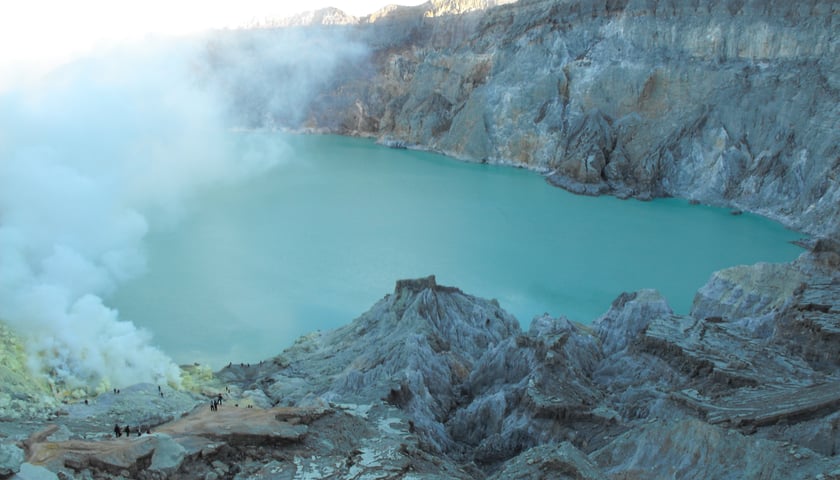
[{"x": 91, "y": 157}]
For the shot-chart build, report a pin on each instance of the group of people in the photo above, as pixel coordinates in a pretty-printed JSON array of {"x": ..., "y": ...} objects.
[
  {"x": 214, "y": 405},
  {"x": 127, "y": 431}
]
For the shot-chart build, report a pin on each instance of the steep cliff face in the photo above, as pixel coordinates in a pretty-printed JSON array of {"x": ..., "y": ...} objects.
[{"x": 728, "y": 102}]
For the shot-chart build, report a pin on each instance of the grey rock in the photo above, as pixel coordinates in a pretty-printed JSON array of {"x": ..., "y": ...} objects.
[
  {"x": 628, "y": 317},
  {"x": 427, "y": 338},
  {"x": 728, "y": 103},
  {"x": 434, "y": 383},
  {"x": 11, "y": 457},
  {"x": 548, "y": 462},
  {"x": 61, "y": 434},
  {"x": 746, "y": 291},
  {"x": 255, "y": 397},
  {"x": 34, "y": 472},
  {"x": 135, "y": 405},
  {"x": 168, "y": 454},
  {"x": 682, "y": 449}
]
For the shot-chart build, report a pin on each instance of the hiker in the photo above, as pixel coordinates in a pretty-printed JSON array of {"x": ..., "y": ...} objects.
[
  {"x": 220, "y": 399},
  {"x": 117, "y": 431},
  {"x": 127, "y": 431}
]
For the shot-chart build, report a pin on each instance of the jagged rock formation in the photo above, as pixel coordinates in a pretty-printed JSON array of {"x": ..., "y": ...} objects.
[
  {"x": 434, "y": 383},
  {"x": 728, "y": 102}
]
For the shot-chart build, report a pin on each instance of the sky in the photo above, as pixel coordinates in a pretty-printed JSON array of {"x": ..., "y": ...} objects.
[{"x": 36, "y": 35}]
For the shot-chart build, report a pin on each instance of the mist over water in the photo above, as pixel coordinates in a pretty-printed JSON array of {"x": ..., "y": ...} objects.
[
  {"x": 97, "y": 153},
  {"x": 315, "y": 242},
  {"x": 139, "y": 229}
]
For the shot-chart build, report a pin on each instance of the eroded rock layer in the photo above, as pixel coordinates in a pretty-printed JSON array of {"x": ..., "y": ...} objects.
[
  {"x": 432, "y": 382},
  {"x": 728, "y": 102}
]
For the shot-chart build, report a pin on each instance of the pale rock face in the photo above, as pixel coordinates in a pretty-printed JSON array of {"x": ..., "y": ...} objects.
[
  {"x": 413, "y": 349},
  {"x": 694, "y": 449},
  {"x": 443, "y": 384},
  {"x": 11, "y": 457},
  {"x": 628, "y": 317},
  {"x": 551, "y": 462},
  {"x": 726, "y": 102},
  {"x": 747, "y": 291}
]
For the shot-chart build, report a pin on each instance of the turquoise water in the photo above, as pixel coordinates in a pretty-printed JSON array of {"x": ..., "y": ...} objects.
[{"x": 320, "y": 238}]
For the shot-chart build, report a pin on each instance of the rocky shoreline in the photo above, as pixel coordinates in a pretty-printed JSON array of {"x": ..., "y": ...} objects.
[
  {"x": 432, "y": 382},
  {"x": 728, "y": 103}
]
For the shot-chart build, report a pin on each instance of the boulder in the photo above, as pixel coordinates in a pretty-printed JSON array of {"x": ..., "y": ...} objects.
[{"x": 11, "y": 457}]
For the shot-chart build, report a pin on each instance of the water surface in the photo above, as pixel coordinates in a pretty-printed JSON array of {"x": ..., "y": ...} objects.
[{"x": 318, "y": 240}]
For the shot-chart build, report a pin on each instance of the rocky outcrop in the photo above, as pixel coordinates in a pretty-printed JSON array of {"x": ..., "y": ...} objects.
[
  {"x": 642, "y": 384},
  {"x": 428, "y": 339},
  {"x": 690, "y": 448},
  {"x": 11, "y": 457},
  {"x": 551, "y": 462},
  {"x": 432, "y": 382},
  {"x": 726, "y": 102},
  {"x": 746, "y": 372}
]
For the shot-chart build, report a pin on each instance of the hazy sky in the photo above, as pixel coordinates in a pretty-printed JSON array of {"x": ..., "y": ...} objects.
[{"x": 35, "y": 34}]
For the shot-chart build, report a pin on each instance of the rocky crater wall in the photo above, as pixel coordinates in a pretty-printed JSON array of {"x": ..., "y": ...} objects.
[{"x": 727, "y": 102}]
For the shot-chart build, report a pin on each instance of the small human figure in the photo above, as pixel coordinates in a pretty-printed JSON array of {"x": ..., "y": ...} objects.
[
  {"x": 115, "y": 391},
  {"x": 158, "y": 388},
  {"x": 117, "y": 431},
  {"x": 138, "y": 432},
  {"x": 127, "y": 431},
  {"x": 220, "y": 399},
  {"x": 86, "y": 402}
]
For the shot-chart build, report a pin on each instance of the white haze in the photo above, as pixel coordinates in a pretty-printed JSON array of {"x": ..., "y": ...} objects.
[
  {"x": 40, "y": 34},
  {"x": 93, "y": 156}
]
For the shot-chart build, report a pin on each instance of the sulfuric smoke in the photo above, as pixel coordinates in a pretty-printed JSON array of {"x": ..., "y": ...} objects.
[{"x": 94, "y": 155}]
